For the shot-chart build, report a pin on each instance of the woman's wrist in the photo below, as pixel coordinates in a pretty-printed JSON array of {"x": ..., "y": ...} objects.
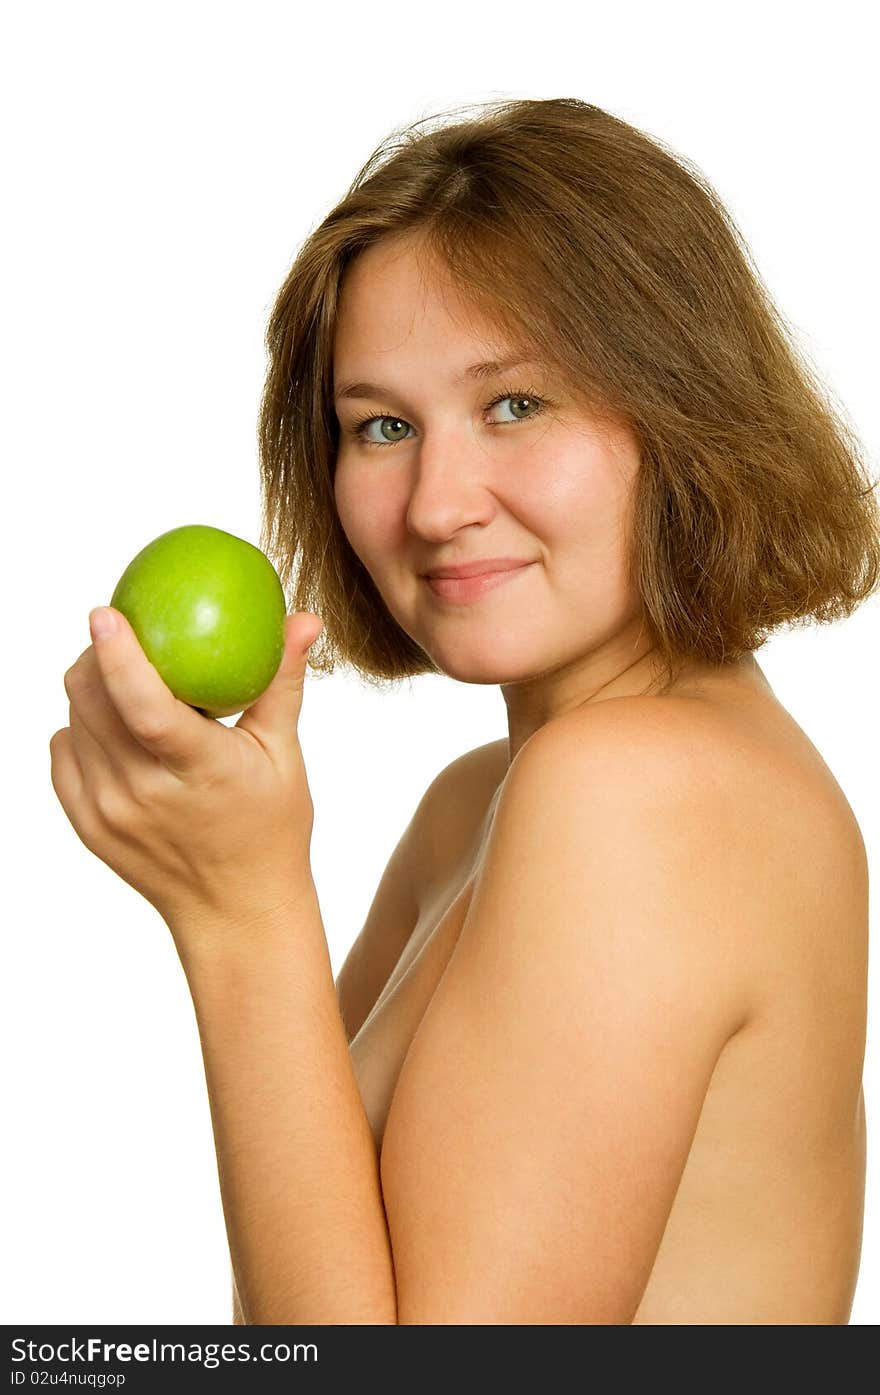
[{"x": 208, "y": 938}]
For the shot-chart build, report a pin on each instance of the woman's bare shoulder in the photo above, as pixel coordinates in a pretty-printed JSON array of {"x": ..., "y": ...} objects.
[
  {"x": 450, "y": 807},
  {"x": 453, "y": 808},
  {"x": 743, "y": 771}
]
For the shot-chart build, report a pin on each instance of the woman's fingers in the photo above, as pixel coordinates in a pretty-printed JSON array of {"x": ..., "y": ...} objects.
[
  {"x": 90, "y": 755},
  {"x": 67, "y": 782},
  {"x": 166, "y": 728},
  {"x": 101, "y": 740}
]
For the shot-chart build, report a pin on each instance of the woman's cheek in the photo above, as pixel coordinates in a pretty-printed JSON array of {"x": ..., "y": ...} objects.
[
  {"x": 366, "y": 514},
  {"x": 346, "y": 510}
]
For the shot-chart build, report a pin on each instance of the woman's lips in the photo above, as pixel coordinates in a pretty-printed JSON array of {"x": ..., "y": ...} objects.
[{"x": 471, "y": 588}]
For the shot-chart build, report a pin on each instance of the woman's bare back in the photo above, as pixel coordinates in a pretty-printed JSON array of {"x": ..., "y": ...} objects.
[{"x": 766, "y": 1224}]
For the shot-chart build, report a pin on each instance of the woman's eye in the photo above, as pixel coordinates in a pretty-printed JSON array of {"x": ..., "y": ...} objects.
[
  {"x": 397, "y": 422},
  {"x": 524, "y": 405},
  {"x": 522, "y": 402}
]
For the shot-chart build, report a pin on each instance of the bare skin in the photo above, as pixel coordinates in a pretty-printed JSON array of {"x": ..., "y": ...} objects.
[
  {"x": 447, "y": 458},
  {"x": 766, "y": 1224}
]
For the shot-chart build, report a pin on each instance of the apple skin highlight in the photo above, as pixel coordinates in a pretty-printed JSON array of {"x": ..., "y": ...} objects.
[{"x": 208, "y": 610}]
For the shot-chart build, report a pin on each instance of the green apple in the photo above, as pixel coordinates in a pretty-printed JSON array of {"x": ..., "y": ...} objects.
[{"x": 208, "y": 609}]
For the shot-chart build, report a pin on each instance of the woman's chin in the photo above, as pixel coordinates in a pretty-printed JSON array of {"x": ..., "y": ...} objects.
[{"x": 482, "y": 667}]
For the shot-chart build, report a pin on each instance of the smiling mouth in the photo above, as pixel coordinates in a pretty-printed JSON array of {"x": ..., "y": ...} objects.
[{"x": 463, "y": 589}]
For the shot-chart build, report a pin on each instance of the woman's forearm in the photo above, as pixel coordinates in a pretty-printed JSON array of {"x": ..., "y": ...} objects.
[
  {"x": 297, "y": 1162},
  {"x": 237, "y": 1314}
]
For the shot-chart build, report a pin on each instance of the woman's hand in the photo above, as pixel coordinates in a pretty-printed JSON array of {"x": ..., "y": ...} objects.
[{"x": 202, "y": 819}]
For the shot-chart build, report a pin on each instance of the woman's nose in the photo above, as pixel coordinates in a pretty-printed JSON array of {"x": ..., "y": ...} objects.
[{"x": 451, "y": 484}]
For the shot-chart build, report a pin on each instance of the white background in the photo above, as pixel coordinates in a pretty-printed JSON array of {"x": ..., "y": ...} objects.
[{"x": 163, "y": 164}]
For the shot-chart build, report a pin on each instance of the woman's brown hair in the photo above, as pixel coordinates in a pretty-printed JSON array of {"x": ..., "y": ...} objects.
[{"x": 612, "y": 258}]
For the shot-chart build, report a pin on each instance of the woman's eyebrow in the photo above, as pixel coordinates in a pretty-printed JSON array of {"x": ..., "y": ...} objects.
[{"x": 476, "y": 370}]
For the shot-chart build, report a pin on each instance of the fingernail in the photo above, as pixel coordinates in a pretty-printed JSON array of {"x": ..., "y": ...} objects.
[{"x": 102, "y": 622}]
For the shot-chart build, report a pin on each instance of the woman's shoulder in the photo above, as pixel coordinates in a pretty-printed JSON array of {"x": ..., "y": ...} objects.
[
  {"x": 453, "y": 809},
  {"x": 709, "y": 812},
  {"x": 741, "y": 777}
]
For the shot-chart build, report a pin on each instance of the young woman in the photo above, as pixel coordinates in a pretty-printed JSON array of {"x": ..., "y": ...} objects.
[{"x": 596, "y": 1056}]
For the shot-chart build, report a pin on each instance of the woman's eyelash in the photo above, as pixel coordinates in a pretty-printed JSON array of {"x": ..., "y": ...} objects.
[{"x": 359, "y": 427}]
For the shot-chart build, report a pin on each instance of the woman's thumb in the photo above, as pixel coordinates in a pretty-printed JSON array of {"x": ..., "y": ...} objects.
[{"x": 273, "y": 718}]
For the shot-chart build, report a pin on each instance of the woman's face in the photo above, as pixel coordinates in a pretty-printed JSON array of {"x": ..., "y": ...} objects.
[{"x": 441, "y": 479}]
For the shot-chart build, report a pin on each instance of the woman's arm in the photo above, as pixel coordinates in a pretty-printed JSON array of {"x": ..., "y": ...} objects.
[
  {"x": 297, "y": 1163},
  {"x": 213, "y": 826},
  {"x": 543, "y": 1118}
]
